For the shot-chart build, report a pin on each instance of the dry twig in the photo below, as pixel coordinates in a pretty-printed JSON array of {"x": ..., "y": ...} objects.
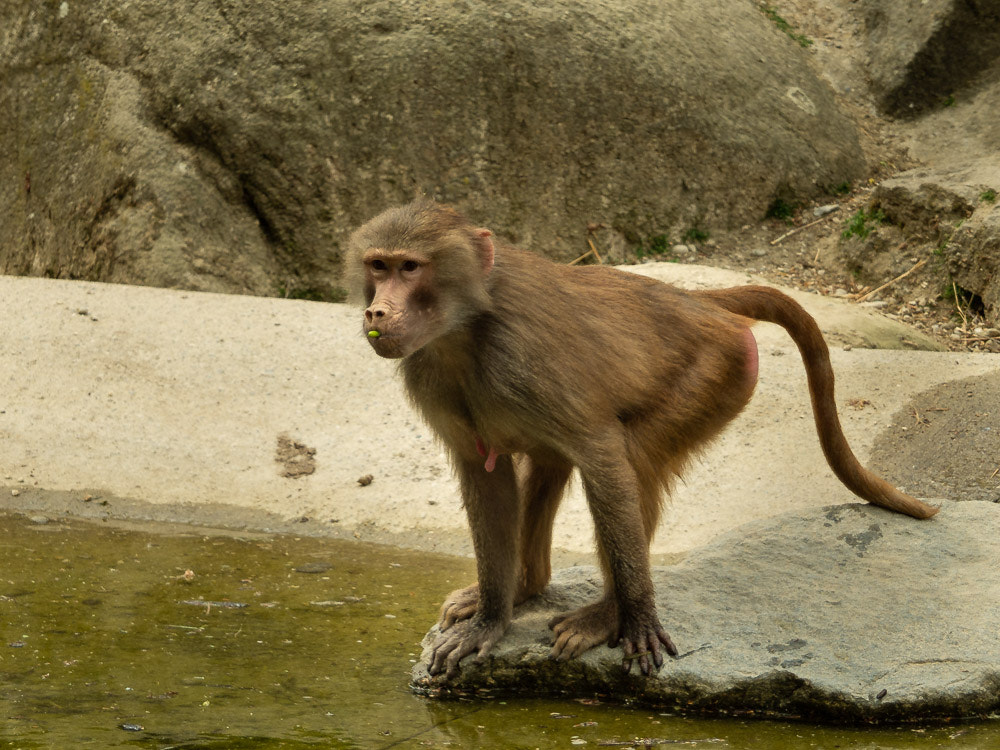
[
  {"x": 594, "y": 251},
  {"x": 790, "y": 232},
  {"x": 965, "y": 320},
  {"x": 863, "y": 297}
]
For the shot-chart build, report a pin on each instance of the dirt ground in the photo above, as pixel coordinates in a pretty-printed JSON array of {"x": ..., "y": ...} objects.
[{"x": 946, "y": 442}]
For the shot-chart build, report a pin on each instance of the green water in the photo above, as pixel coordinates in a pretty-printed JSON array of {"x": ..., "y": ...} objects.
[{"x": 100, "y": 646}]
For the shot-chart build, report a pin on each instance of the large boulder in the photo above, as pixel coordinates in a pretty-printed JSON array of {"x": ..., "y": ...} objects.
[
  {"x": 202, "y": 145},
  {"x": 920, "y": 53},
  {"x": 848, "y": 613}
]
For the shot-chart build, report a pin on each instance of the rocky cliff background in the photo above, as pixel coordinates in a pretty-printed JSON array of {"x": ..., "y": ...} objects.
[{"x": 232, "y": 146}]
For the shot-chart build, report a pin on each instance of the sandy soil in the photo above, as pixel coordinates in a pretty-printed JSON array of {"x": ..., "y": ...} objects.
[{"x": 258, "y": 413}]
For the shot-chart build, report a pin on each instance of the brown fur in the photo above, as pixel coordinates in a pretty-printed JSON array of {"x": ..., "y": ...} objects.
[{"x": 616, "y": 375}]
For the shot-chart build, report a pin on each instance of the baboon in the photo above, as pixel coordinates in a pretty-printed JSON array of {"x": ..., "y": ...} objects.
[{"x": 527, "y": 369}]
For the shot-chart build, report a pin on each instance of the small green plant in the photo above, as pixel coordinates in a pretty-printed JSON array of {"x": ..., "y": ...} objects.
[
  {"x": 781, "y": 210},
  {"x": 842, "y": 188},
  {"x": 989, "y": 196},
  {"x": 862, "y": 223},
  {"x": 949, "y": 101},
  {"x": 784, "y": 26},
  {"x": 695, "y": 234},
  {"x": 658, "y": 244}
]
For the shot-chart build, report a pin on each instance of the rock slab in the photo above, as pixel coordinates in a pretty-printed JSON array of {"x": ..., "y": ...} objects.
[{"x": 847, "y": 613}]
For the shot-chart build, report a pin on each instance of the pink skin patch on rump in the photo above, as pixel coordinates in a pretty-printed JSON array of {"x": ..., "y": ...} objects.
[{"x": 491, "y": 456}]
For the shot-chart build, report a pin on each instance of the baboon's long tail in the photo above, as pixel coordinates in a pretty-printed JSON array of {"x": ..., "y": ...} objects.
[{"x": 769, "y": 305}]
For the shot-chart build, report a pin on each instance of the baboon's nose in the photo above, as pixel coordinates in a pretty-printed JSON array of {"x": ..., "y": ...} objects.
[{"x": 374, "y": 312}]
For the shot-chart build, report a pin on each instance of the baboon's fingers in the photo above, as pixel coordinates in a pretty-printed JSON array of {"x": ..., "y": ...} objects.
[
  {"x": 461, "y": 604},
  {"x": 567, "y": 646}
]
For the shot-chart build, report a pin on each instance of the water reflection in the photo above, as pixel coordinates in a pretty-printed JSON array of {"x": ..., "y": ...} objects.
[{"x": 134, "y": 638}]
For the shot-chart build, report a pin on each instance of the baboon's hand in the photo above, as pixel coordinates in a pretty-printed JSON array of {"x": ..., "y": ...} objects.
[{"x": 464, "y": 637}]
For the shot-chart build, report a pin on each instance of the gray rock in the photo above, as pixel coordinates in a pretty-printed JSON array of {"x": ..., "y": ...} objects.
[
  {"x": 974, "y": 257},
  {"x": 948, "y": 214},
  {"x": 921, "y": 52},
  {"x": 211, "y": 147},
  {"x": 846, "y": 613},
  {"x": 920, "y": 199}
]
